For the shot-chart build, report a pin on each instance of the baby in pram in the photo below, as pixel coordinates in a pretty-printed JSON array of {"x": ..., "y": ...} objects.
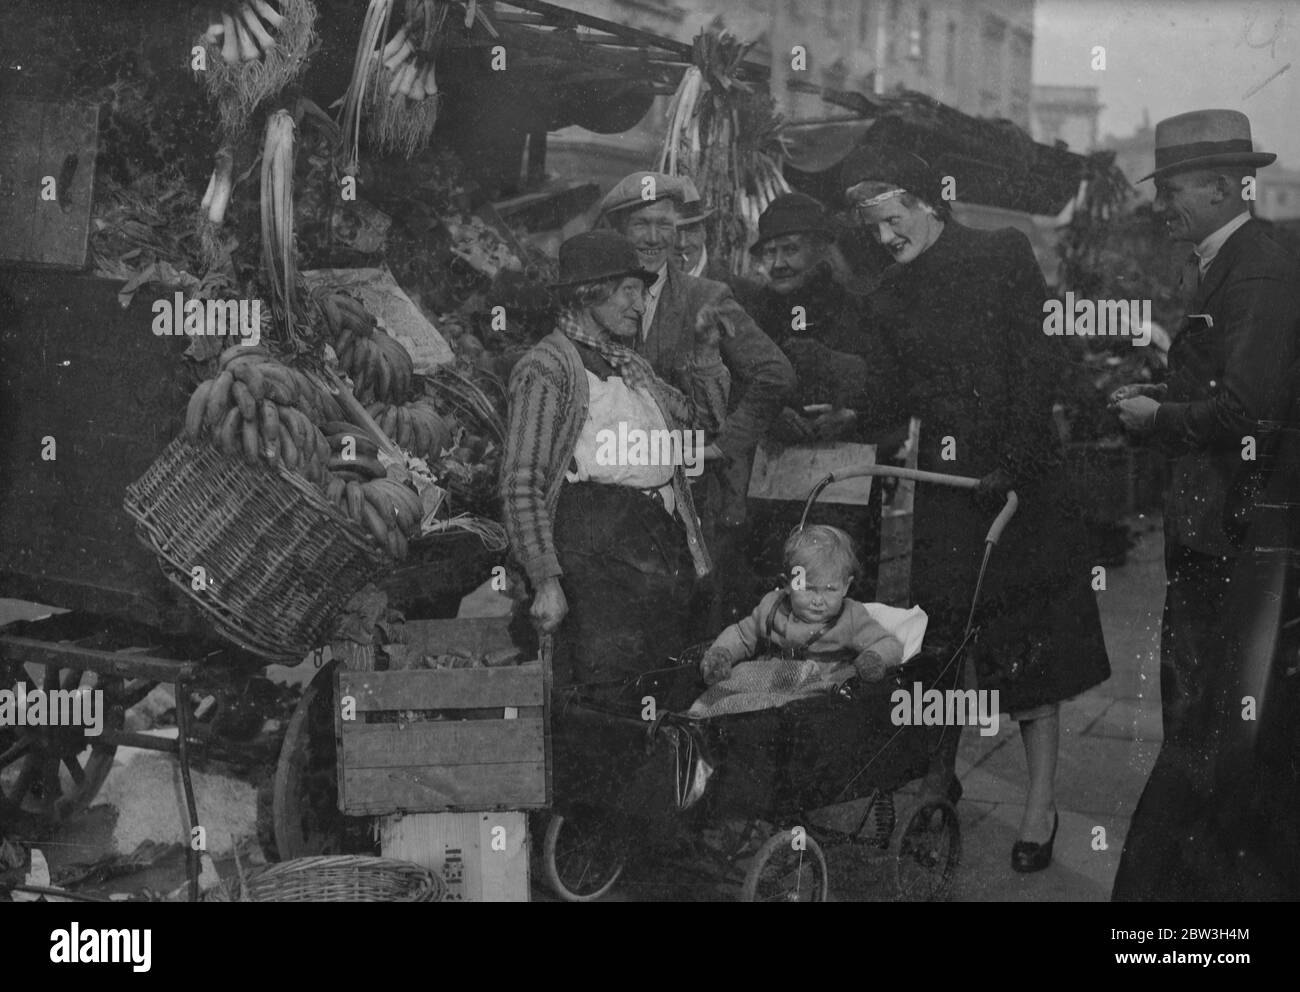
[{"x": 811, "y": 616}]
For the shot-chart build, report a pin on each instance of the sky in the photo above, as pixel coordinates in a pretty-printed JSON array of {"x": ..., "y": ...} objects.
[{"x": 1171, "y": 56}]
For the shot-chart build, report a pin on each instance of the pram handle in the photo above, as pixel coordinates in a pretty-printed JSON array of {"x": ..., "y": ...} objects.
[{"x": 956, "y": 481}]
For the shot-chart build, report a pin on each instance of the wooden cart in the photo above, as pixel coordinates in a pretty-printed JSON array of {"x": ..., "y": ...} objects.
[{"x": 81, "y": 371}]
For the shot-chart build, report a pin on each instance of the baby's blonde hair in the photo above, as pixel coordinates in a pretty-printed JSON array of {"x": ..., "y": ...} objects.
[{"x": 820, "y": 544}]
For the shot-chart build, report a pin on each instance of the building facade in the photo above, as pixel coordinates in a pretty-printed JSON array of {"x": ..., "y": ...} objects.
[
  {"x": 1067, "y": 114},
  {"x": 974, "y": 55}
]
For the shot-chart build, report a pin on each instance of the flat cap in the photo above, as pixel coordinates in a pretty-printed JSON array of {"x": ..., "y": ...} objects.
[{"x": 640, "y": 189}]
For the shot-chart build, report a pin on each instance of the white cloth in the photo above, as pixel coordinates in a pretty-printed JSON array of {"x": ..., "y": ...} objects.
[
  {"x": 906, "y": 625},
  {"x": 613, "y": 403},
  {"x": 1208, "y": 249},
  {"x": 652, "y": 294},
  {"x": 766, "y": 683}
]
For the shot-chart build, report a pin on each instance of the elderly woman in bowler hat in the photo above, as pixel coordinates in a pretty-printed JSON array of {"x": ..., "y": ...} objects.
[
  {"x": 611, "y": 551},
  {"x": 960, "y": 315}
]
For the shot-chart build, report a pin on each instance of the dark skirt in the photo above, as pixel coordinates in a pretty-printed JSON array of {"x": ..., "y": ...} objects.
[
  {"x": 628, "y": 579},
  {"x": 1040, "y": 639}
]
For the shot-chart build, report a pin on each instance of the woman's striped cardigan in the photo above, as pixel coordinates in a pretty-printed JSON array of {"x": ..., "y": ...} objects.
[{"x": 549, "y": 397}]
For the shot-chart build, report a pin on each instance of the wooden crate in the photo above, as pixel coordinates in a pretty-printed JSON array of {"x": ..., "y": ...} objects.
[
  {"x": 40, "y": 139},
  {"x": 483, "y": 745}
]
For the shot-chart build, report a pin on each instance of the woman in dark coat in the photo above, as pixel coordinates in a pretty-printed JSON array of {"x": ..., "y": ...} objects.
[{"x": 958, "y": 321}]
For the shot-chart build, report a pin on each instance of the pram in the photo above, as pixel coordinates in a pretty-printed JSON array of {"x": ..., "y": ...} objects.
[{"x": 728, "y": 797}]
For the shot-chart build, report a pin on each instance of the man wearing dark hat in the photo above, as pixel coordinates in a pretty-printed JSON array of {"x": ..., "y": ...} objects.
[
  {"x": 644, "y": 208},
  {"x": 1198, "y": 833}
]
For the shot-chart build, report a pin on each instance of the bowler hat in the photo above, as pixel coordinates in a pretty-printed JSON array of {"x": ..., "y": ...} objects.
[
  {"x": 889, "y": 164},
  {"x": 594, "y": 256},
  {"x": 692, "y": 210},
  {"x": 1203, "y": 139},
  {"x": 633, "y": 191},
  {"x": 792, "y": 213}
]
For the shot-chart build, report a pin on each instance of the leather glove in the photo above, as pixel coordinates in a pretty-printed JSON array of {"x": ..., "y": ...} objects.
[
  {"x": 714, "y": 666},
  {"x": 870, "y": 666},
  {"x": 991, "y": 494},
  {"x": 792, "y": 428}
]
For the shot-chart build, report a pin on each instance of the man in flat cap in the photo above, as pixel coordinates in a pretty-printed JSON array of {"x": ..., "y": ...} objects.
[
  {"x": 1218, "y": 817},
  {"x": 644, "y": 208}
]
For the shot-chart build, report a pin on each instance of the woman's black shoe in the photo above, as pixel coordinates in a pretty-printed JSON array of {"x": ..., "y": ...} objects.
[{"x": 1027, "y": 856}]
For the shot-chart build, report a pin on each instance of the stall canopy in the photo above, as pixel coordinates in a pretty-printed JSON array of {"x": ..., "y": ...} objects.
[{"x": 603, "y": 77}]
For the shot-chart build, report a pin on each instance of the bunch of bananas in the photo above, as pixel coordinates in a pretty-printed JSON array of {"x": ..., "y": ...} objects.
[
  {"x": 378, "y": 364},
  {"x": 385, "y": 508},
  {"x": 354, "y": 454},
  {"x": 417, "y": 427},
  {"x": 262, "y": 410}
]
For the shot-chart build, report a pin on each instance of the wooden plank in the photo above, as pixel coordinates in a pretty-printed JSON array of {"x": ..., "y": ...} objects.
[
  {"x": 443, "y": 742},
  {"x": 20, "y": 120},
  {"x": 431, "y": 789},
  {"x": 478, "y": 635},
  {"x": 444, "y": 689},
  {"x": 36, "y": 138}
]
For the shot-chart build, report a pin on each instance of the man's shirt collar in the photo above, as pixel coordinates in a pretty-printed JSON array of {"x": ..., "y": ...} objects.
[{"x": 1208, "y": 249}]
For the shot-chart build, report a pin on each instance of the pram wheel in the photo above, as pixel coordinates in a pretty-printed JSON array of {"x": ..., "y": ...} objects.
[
  {"x": 927, "y": 852},
  {"x": 583, "y": 855},
  {"x": 784, "y": 870}
]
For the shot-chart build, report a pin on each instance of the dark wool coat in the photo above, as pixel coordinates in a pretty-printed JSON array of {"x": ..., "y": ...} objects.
[
  {"x": 760, "y": 380},
  {"x": 1219, "y": 818},
  {"x": 963, "y": 349}
]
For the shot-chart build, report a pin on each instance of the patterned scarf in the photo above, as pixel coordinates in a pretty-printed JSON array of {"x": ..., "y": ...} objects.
[{"x": 634, "y": 369}]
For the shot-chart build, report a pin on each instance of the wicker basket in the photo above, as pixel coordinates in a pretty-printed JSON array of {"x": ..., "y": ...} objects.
[
  {"x": 341, "y": 878},
  {"x": 280, "y": 560}
]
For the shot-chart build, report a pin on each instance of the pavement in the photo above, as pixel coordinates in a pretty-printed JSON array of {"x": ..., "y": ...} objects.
[{"x": 1109, "y": 739}]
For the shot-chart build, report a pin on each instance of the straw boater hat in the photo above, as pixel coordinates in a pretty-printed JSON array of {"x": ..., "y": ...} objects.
[
  {"x": 692, "y": 207},
  {"x": 1203, "y": 139},
  {"x": 594, "y": 256}
]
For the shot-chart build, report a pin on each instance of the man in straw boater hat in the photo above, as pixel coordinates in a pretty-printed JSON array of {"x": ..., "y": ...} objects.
[
  {"x": 1218, "y": 817},
  {"x": 691, "y": 250},
  {"x": 644, "y": 207}
]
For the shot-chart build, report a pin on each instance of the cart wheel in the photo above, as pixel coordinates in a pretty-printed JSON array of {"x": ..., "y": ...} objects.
[
  {"x": 927, "y": 852},
  {"x": 582, "y": 855},
  {"x": 48, "y": 774},
  {"x": 782, "y": 872},
  {"x": 304, "y": 805}
]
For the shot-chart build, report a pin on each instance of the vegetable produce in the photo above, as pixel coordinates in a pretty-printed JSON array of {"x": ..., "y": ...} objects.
[
  {"x": 727, "y": 138},
  {"x": 277, "y": 216},
  {"x": 368, "y": 55},
  {"x": 254, "y": 48},
  {"x": 261, "y": 410},
  {"x": 379, "y": 365}
]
